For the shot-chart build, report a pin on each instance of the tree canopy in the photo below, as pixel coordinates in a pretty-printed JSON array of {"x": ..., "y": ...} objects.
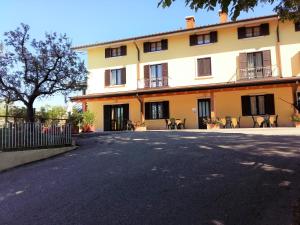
[
  {"x": 286, "y": 9},
  {"x": 31, "y": 69}
]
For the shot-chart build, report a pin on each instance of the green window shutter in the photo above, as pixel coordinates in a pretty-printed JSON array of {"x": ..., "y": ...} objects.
[
  {"x": 269, "y": 104},
  {"x": 264, "y": 29},
  {"x": 164, "y": 44},
  {"x": 213, "y": 37},
  {"x": 147, "y": 47},
  {"x": 246, "y": 106},
  {"x": 107, "y": 52},
  {"x": 123, "y": 50},
  {"x": 193, "y": 40},
  {"x": 166, "y": 113},
  {"x": 241, "y": 32},
  {"x": 147, "y": 110}
]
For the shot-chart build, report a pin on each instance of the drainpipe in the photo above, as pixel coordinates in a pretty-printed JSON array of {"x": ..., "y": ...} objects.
[
  {"x": 277, "y": 47},
  {"x": 141, "y": 100}
]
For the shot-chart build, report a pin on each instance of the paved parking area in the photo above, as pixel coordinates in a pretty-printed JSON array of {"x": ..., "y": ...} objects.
[{"x": 160, "y": 178}]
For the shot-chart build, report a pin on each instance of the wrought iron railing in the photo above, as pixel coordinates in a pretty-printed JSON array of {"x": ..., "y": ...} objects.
[
  {"x": 257, "y": 73},
  {"x": 153, "y": 83}
]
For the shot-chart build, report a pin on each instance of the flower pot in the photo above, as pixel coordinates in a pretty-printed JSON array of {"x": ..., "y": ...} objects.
[
  {"x": 88, "y": 128},
  {"x": 297, "y": 124},
  {"x": 213, "y": 126},
  {"x": 75, "y": 129}
]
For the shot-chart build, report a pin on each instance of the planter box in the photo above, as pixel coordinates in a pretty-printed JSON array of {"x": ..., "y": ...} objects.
[
  {"x": 141, "y": 129},
  {"x": 213, "y": 126},
  {"x": 297, "y": 124},
  {"x": 88, "y": 128}
]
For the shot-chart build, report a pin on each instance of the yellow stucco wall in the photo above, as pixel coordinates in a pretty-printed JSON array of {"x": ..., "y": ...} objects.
[{"x": 226, "y": 103}]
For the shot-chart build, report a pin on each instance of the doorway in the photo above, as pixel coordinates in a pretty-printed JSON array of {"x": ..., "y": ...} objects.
[
  {"x": 204, "y": 112},
  {"x": 116, "y": 117}
]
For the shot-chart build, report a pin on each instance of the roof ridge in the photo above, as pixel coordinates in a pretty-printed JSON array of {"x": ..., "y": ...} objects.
[{"x": 170, "y": 32}]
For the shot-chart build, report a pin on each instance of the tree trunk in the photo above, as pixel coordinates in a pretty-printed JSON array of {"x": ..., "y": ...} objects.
[{"x": 30, "y": 113}]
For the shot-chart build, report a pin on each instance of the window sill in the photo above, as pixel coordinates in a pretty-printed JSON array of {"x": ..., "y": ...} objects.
[
  {"x": 201, "y": 45},
  {"x": 155, "y": 51},
  {"x": 204, "y": 77},
  {"x": 252, "y": 38},
  {"x": 116, "y": 86}
]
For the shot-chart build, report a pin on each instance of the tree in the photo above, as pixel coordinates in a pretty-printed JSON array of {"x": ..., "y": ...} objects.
[
  {"x": 286, "y": 9},
  {"x": 31, "y": 69}
]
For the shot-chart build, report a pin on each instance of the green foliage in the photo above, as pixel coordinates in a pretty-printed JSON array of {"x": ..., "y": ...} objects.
[
  {"x": 286, "y": 9},
  {"x": 216, "y": 121},
  {"x": 88, "y": 118},
  {"x": 296, "y": 118},
  {"x": 76, "y": 118}
]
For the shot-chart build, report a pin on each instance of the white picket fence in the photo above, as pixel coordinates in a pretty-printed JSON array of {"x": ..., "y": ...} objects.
[{"x": 22, "y": 136}]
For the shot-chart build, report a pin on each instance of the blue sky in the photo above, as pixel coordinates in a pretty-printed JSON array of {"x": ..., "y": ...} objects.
[{"x": 91, "y": 21}]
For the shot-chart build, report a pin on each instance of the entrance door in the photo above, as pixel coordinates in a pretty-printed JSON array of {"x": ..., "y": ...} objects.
[
  {"x": 204, "y": 112},
  {"x": 116, "y": 117}
]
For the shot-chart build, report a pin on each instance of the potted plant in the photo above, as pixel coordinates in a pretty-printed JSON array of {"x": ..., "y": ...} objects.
[
  {"x": 213, "y": 123},
  {"x": 75, "y": 120},
  {"x": 88, "y": 121},
  {"x": 296, "y": 120}
]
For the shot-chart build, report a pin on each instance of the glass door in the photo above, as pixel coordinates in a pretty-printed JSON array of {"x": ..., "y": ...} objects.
[{"x": 204, "y": 112}]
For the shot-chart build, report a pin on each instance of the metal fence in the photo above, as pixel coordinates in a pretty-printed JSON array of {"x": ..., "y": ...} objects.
[{"x": 22, "y": 136}]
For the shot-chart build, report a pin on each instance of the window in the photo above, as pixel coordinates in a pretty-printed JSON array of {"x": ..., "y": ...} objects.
[
  {"x": 115, "y": 77},
  {"x": 202, "y": 39},
  {"x": 297, "y": 26},
  {"x": 298, "y": 102},
  {"x": 115, "y": 52},
  {"x": 255, "y": 65},
  {"x": 258, "y": 105},
  {"x": 156, "y": 46},
  {"x": 156, "y": 110},
  {"x": 204, "y": 67},
  {"x": 254, "y": 31},
  {"x": 156, "y": 76}
]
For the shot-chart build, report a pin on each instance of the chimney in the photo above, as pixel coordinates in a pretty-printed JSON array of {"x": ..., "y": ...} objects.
[
  {"x": 190, "y": 22},
  {"x": 223, "y": 16}
]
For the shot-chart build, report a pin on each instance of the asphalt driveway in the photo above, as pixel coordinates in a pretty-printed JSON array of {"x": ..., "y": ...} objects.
[{"x": 159, "y": 178}]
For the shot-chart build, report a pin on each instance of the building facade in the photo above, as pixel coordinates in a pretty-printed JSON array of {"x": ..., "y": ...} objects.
[{"x": 240, "y": 69}]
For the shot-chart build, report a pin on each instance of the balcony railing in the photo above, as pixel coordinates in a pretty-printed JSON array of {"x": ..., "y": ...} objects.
[
  {"x": 153, "y": 83},
  {"x": 257, "y": 73}
]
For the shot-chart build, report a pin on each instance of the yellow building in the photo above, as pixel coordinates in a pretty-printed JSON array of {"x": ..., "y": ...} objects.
[{"x": 244, "y": 69}]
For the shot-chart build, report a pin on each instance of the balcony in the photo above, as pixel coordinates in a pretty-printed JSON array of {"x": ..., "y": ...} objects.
[
  {"x": 153, "y": 83},
  {"x": 257, "y": 73}
]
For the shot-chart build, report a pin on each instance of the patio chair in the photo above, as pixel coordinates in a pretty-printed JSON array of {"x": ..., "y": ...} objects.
[
  {"x": 266, "y": 121},
  {"x": 130, "y": 125},
  {"x": 255, "y": 122},
  {"x": 167, "y": 124},
  {"x": 274, "y": 121},
  {"x": 181, "y": 125},
  {"x": 172, "y": 124},
  {"x": 228, "y": 122}
]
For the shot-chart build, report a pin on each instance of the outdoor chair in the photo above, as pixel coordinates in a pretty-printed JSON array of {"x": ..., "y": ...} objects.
[
  {"x": 274, "y": 121},
  {"x": 255, "y": 122},
  {"x": 130, "y": 125},
  {"x": 180, "y": 124},
  {"x": 266, "y": 121},
  {"x": 167, "y": 124},
  {"x": 228, "y": 122},
  {"x": 172, "y": 124}
]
